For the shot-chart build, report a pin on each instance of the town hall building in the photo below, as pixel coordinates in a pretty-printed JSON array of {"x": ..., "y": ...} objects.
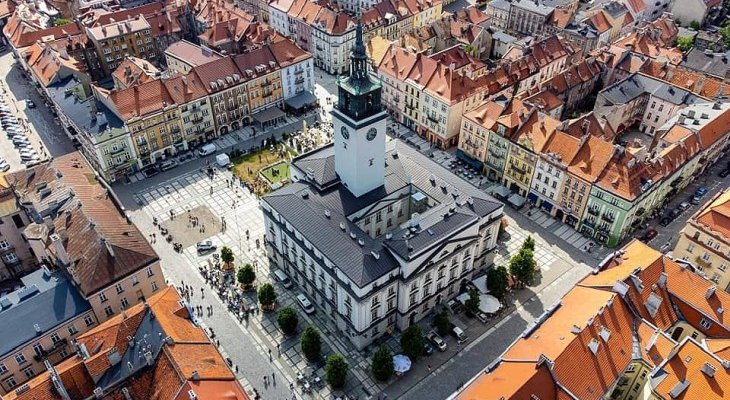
[{"x": 371, "y": 230}]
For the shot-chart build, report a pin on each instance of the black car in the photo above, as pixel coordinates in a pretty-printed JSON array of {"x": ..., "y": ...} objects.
[
  {"x": 676, "y": 212},
  {"x": 428, "y": 348},
  {"x": 665, "y": 221},
  {"x": 725, "y": 172}
]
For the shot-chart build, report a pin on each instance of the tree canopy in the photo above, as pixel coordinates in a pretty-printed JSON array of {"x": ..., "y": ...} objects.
[
  {"x": 497, "y": 281},
  {"x": 311, "y": 343},
  {"x": 336, "y": 370},
  {"x": 287, "y": 320},
  {"x": 412, "y": 342},
  {"x": 382, "y": 364}
]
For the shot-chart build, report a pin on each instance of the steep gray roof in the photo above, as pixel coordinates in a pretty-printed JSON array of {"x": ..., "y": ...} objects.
[
  {"x": 636, "y": 85},
  {"x": 45, "y": 300},
  {"x": 303, "y": 206},
  {"x": 715, "y": 64}
]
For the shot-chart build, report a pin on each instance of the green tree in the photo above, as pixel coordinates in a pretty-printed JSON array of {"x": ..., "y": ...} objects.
[
  {"x": 685, "y": 43},
  {"x": 382, "y": 364},
  {"x": 311, "y": 343},
  {"x": 336, "y": 371},
  {"x": 725, "y": 35},
  {"x": 227, "y": 256},
  {"x": 267, "y": 295},
  {"x": 287, "y": 320},
  {"x": 442, "y": 322},
  {"x": 246, "y": 275},
  {"x": 497, "y": 281},
  {"x": 529, "y": 243},
  {"x": 61, "y": 21},
  {"x": 522, "y": 266},
  {"x": 412, "y": 342},
  {"x": 472, "y": 303},
  {"x": 694, "y": 25}
]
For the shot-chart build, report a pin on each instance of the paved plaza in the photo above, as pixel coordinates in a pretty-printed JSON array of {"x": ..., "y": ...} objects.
[{"x": 240, "y": 210}]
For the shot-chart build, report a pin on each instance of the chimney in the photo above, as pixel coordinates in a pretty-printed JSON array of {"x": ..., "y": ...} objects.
[
  {"x": 710, "y": 292},
  {"x": 61, "y": 254}
]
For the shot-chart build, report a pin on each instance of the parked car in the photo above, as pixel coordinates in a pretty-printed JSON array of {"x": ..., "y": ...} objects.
[
  {"x": 676, "y": 212},
  {"x": 30, "y": 103},
  {"x": 665, "y": 221},
  {"x": 305, "y": 303},
  {"x": 684, "y": 206},
  {"x": 167, "y": 165},
  {"x": 427, "y": 348},
  {"x": 4, "y": 166},
  {"x": 649, "y": 235},
  {"x": 725, "y": 172},
  {"x": 458, "y": 333},
  {"x": 699, "y": 194},
  {"x": 205, "y": 246},
  {"x": 437, "y": 340}
]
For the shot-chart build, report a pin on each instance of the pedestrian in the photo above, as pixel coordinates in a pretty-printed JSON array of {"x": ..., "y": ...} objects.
[
  {"x": 211, "y": 190},
  {"x": 278, "y": 348},
  {"x": 273, "y": 378},
  {"x": 429, "y": 367},
  {"x": 270, "y": 359}
]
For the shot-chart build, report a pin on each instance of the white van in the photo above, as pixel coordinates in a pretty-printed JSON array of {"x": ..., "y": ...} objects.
[
  {"x": 207, "y": 150},
  {"x": 282, "y": 278},
  {"x": 305, "y": 303}
]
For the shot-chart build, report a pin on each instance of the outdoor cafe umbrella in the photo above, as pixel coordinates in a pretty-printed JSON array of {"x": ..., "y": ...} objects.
[{"x": 401, "y": 363}]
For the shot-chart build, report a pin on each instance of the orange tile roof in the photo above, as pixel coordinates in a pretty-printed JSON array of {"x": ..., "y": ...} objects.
[
  {"x": 599, "y": 21},
  {"x": 141, "y": 100},
  {"x": 686, "y": 366},
  {"x": 512, "y": 381},
  {"x": 397, "y": 62},
  {"x": 545, "y": 100},
  {"x": 204, "y": 358},
  {"x": 212, "y": 390},
  {"x": 715, "y": 215},
  {"x": 592, "y": 158},
  {"x": 562, "y": 145},
  {"x": 625, "y": 261},
  {"x": 587, "y": 375},
  {"x": 690, "y": 291},
  {"x": 173, "y": 318},
  {"x": 126, "y": 13},
  {"x": 714, "y": 130},
  {"x": 554, "y": 335},
  {"x": 719, "y": 347},
  {"x": 21, "y": 34},
  {"x": 662, "y": 344},
  {"x": 185, "y": 88},
  {"x": 534, "y": 133},
  {"x": 702, "y": 85},
  {"x": 625, "y": 176},
  {"x": 287, "y": 53},
  {"x": 190, "y": 350}
]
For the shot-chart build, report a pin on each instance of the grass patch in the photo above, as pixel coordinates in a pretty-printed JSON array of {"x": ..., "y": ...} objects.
[
  {"x": 247, "y": 167},
  {"x": 282, "y": 172}
]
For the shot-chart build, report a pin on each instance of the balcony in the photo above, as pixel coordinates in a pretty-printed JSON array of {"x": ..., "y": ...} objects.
[
  {"x": 589, "y": 223},
  {"x": 7, "y": 248},
  {"x": 432, "y": 118},
  {"x": 519, "y": 169},
  {"x": 265, "y": 83},
  {"x": 495, "y": 153},
  {"x": 175, "y": 129},
  {"x": 410, "y": 106},
  {"x": 268, "y": 93},
  {"x": 299, "y": 80},
  {"x": 197, "y": 120},
  {"x": 702, "y": 263},
  {"x": 593, "y": 211},
  {"x": 45, "y": 353},
  {"x": 608, "y": 217}
]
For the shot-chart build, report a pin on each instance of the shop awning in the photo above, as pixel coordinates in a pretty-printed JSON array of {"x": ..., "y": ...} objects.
[
  {"x": 516, "y": 200},
  {"x": 268, "y": 114},
  {"x": 498, "y": 190},
  {"x": 302, "y": 99}
]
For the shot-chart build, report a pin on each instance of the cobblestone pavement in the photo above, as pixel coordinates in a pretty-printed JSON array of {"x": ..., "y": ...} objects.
[{"x": 247, "y": 343}]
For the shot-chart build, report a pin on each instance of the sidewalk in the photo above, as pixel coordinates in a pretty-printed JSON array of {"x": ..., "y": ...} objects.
[{"x": 244, "y": 139}]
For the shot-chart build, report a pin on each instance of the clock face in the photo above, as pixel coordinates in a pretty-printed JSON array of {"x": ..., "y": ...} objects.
[
  {"x": 345, "y": 133},
  {"x": 372, "y": 133}
]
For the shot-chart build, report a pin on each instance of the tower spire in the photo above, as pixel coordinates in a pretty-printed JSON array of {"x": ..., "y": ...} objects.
[{"x": 358, "y": 58}]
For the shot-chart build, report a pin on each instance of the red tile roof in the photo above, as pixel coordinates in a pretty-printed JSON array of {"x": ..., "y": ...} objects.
[
  {"x": 102, "y": 245},
  {"x": 686, "y": 365},
  {"x": 715, "y": 215},
  {"x": 141, "y": 100},
  {"x": 592, "y": 158}
]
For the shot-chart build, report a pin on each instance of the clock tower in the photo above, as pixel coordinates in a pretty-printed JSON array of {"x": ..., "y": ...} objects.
[{"x": 359, "y": 126}]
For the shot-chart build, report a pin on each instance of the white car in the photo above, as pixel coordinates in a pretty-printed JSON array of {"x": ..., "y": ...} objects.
[
  {"x": 305, "y": 303},
  {"x": 28, "y": 153},
  {"x": 4, "y": 166},
  {"x": 205, "y": 246}
]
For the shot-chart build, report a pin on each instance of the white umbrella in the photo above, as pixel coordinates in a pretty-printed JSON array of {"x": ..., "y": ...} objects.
[
  {"x": 488, "y": 303},
  {"x": 401, "y": 363}
]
